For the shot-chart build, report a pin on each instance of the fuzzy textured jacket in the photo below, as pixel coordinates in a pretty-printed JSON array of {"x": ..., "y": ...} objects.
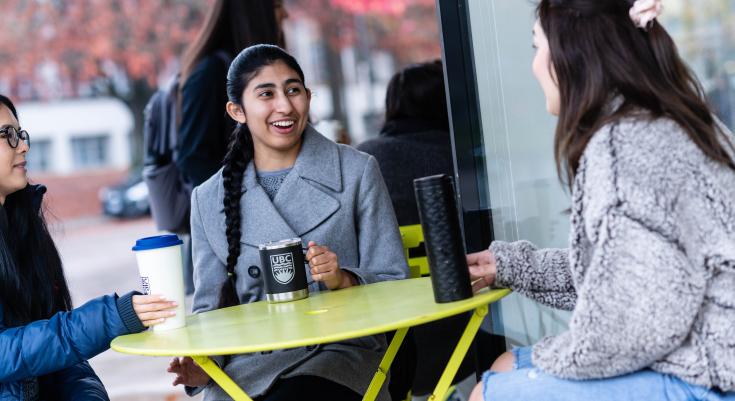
[{"x": 650, "y": 271}]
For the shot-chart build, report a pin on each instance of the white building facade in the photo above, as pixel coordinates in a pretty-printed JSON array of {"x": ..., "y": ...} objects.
[{"x": 74, "y": 136}]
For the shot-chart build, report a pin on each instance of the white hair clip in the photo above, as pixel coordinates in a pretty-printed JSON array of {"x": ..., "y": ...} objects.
[{"x": 645, "y": 11}]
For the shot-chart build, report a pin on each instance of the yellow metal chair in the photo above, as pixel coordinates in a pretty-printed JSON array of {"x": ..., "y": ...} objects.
[{"x": 413, "y": 237}]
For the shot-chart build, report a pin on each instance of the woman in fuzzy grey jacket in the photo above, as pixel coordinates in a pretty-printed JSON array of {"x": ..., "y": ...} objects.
[{"x": 650, "y": 271}]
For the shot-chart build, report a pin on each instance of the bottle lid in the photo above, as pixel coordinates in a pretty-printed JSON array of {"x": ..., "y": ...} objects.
[
  {"x": 159, "y": 241},
  {"x": 431, "y": 182}
]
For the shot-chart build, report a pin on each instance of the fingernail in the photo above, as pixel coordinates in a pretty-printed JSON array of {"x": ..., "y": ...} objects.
[
  {"x": 174, "y": 303},
  {"x": 172, "y": 313}
]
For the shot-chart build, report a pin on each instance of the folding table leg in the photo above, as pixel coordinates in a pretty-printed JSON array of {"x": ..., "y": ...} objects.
[
  {"x": 221, "y": 378},
  {"x": 459, "y": 352},
  {"x": 372, "y": 391}
]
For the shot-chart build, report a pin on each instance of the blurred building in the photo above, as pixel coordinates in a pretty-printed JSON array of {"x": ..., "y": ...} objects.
[
  {"x": 74, "y": 136},
  {"x": 78, "y": 147}
]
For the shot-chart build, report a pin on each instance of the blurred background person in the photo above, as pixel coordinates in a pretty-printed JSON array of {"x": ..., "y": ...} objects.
[
  {"x": 415, "y": 142},
  {"x": 229, "y": 27}
]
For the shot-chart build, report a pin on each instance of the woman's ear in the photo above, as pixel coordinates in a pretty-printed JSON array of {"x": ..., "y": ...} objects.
[{"x": 236, "y": 112}]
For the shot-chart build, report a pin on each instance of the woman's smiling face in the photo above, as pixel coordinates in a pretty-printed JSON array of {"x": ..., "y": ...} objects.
[
  {"x": 275, "y": 107},
  {"x": 12, "y": 160}
]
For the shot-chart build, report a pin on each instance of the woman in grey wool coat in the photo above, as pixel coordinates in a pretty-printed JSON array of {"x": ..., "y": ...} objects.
[
  {"x": 282, "y": 179},
  {"x": 649, "y": 274}
]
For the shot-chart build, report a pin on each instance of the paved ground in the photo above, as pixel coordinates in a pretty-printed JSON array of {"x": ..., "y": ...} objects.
[{"x": 98, "y": 260}]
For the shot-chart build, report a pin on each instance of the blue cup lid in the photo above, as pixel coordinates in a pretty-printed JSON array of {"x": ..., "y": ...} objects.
[{"x": 159, "y": 241}]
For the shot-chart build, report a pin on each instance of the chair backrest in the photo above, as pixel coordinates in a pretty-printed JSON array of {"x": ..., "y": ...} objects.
[{"x": 413, "y": 237}]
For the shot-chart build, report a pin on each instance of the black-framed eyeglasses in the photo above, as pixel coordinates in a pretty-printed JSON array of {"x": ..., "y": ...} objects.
[{"x": 14, "y": 136}]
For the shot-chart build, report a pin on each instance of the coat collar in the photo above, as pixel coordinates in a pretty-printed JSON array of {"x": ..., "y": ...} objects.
[
  {"x": 318, "y": 161},
  {"x": 303, "y": 201}
]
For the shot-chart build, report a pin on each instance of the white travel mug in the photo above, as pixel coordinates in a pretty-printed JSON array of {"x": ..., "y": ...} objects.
[{"x": 160, "y": 266}]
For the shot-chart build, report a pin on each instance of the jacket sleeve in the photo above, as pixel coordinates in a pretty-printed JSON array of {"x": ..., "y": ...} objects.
[
  {"x": 202, "y": 137},
  {"x": 637, "y": 303},
  {"x": 64, "y": 340},
  {"x": 210, "y": 273},
  {"x": 75, "y": 383},
  {"x": 540, "y": 274},
  {"x": 379, "y": 240}
]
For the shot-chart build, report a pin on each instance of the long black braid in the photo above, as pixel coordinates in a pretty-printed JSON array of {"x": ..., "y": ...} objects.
[
  {"x": 240, "y": 152},
  {"x": 238, "y": 156}
]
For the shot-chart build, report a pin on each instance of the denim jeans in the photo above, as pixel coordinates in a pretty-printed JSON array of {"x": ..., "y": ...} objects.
[{"x": 528, "y": 383}]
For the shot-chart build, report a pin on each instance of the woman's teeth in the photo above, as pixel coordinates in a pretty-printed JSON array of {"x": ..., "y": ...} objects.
[{"x": 282, "y": 124}]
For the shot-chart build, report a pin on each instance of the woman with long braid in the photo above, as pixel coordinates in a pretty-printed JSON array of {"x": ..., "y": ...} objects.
[{"x": 282, "y": 179}]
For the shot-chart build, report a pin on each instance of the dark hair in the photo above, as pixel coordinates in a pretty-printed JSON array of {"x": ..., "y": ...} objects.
[
  {"x": 32, "y": 283},
  {"x": 418, "y": 92},
  {"x": 240, "y": 151},
  {"x": 9, "y": 104},
  {"x": 597, "y": 52},
  {"x": 232, "y": 25}
]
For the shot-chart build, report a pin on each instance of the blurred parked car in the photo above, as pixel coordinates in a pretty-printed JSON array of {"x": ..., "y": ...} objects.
[{"x": 126, "y": 200}]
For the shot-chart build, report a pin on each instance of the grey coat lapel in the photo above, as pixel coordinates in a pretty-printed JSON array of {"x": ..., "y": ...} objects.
[
  {"x": 303, "y": 199},
  {"x": 302, "y": 202}
]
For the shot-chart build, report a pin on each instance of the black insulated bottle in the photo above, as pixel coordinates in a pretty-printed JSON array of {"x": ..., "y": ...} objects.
[{"x": 439, "y": 217}]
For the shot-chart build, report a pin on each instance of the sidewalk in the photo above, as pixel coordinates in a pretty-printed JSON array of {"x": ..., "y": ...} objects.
[{"x": 98, "y": 260}]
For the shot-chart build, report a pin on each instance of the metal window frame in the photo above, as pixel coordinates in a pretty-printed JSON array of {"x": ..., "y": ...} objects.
[{"x": 465, "y": 123}]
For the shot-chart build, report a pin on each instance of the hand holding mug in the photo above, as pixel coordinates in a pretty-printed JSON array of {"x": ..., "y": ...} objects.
[
  {"x": 482, "y": 269},
  {"x": 325, "y": 267},
  {"x": 153, "y": 309}
]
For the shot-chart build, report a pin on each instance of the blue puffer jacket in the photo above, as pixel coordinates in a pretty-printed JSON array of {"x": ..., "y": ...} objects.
[{"x": 46, "y": 359}]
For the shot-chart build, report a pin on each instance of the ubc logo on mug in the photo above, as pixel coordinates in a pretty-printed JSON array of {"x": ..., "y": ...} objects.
[
  {"x": 282, "y": 266},
  {"x": 284, "y": 270}
]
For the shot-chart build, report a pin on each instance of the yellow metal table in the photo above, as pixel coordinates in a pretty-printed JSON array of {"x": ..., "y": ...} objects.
[{"x": 321, "y": 318}]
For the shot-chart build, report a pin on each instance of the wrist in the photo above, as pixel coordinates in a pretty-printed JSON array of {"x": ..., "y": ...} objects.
[
  {"x": 489, "y": 279},
  {"x": 347, "y": 280}
]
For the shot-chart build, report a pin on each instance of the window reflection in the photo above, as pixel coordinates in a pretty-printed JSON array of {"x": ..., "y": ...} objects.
[{"x": 704, "y": 31}]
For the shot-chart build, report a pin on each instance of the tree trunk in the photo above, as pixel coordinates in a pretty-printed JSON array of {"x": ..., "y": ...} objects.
[
  {"x": 140, "y": 92},
  {"x": 335, "y": 76}
]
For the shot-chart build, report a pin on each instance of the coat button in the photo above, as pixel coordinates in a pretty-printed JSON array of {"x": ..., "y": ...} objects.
[
  {"x": 254, "y": 271},
  {"x": 265, "y": 352}
]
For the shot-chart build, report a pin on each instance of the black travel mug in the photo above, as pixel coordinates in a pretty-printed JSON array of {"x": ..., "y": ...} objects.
[
  {"x": 445, "y": 252},
  {"x": 283, "y": 270}
]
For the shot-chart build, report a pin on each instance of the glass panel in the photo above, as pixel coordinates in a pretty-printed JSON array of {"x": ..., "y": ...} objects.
[
  {"x": 526, "y": 198},
  {"x": 704, "y": 31}
]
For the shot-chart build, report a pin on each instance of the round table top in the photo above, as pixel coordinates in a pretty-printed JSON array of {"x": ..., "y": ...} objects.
[{"x": 321, "y": 318}]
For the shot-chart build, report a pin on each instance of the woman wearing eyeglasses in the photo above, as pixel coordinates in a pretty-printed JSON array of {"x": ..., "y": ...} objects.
[{"x": 44, "y": 344}]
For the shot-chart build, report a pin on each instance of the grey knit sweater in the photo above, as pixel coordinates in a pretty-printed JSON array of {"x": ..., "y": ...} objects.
[{"x": 650, "y": 271}]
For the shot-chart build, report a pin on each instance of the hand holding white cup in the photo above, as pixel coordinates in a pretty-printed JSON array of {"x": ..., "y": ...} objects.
[
  {"x": 153, "y": 309},
  {"x": 160, "y": 266}
]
